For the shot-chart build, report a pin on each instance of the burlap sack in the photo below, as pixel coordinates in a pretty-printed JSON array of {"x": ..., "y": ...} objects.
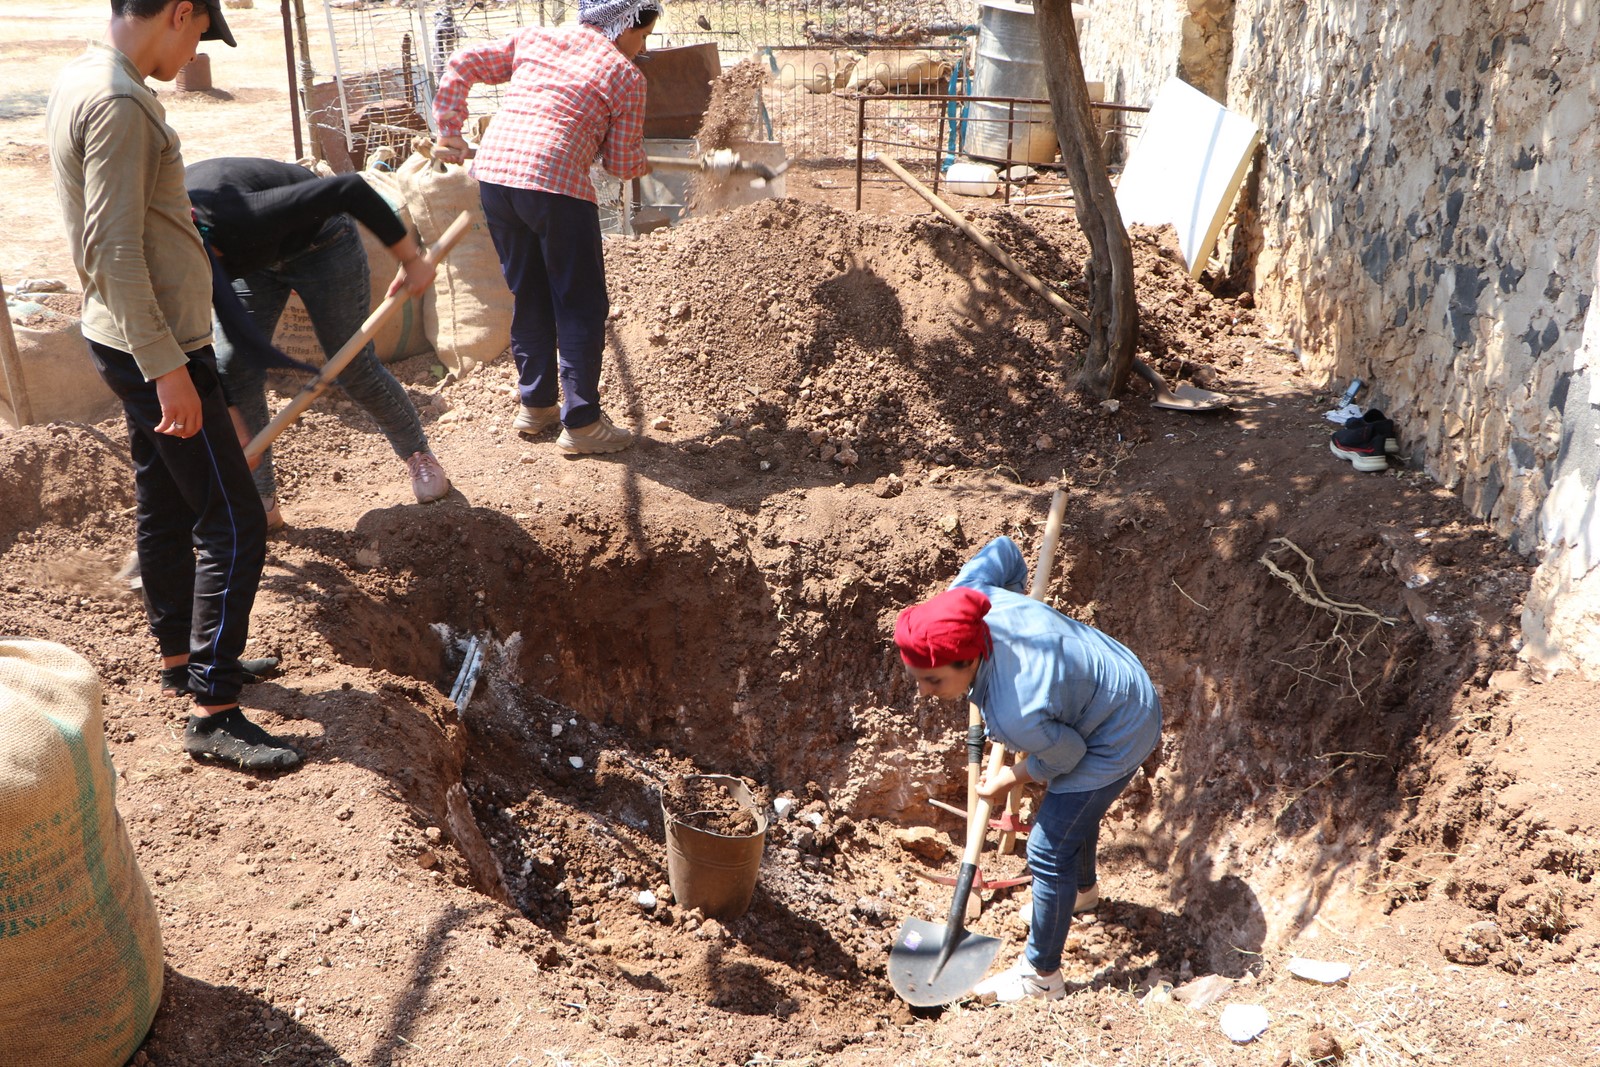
[
  {"x": 80, "y": 944},
  {"x": 921, "y": 71},
  {"x": 48, "y": 376},
  {"x": 472, "y": 307}
]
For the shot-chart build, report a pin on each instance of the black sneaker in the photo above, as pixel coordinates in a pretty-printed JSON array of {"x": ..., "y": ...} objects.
[
  {"x": 175, "y": 680},
  {"x": 1363, "y": 445},
  {"x": 231, "y": 738},
  {"x": 1373, "y": 415}
]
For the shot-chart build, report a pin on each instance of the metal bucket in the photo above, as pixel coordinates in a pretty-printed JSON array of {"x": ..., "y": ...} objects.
[
  {"x": 714, "y": 872},
  {"x": 1010, "y": 63}
]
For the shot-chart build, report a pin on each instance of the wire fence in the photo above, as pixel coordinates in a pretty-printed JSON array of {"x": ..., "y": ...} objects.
[
  {"x": 1006, "y": 146},
  {"x": 387, "y": 59},
  {"x": 906, "y": 59}
]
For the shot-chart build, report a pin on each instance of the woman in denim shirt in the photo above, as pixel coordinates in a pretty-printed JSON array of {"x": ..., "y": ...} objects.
[{"x": 1080, "y": 704}]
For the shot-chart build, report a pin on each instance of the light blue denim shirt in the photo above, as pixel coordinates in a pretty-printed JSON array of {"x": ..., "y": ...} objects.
[{"x": 1080, "y": 704}]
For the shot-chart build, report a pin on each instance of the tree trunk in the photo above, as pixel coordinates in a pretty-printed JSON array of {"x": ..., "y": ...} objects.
[{"x": 1113, "y": 306}]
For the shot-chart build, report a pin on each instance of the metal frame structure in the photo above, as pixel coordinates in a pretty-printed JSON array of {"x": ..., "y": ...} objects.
[{"x": 1048, "y": 182}]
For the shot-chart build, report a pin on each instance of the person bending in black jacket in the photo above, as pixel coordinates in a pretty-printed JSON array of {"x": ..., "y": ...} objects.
[{"x": 275, "y": 228}]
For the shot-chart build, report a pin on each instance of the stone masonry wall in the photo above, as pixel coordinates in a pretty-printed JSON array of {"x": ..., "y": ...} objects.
[{"x": 1428, "y": 216}]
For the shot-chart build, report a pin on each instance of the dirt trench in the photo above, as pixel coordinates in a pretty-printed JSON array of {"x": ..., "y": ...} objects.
[{"x": 663, "y": 653}]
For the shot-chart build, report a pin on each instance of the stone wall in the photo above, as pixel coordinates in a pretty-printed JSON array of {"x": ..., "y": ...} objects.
[{"x": 1427, "y": 221}]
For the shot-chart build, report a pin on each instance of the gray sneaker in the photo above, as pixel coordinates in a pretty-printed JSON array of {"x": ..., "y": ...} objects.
[
  {"x": 537, "y": 420},
  {"x": 599, "y": 436},
  {"x": 428, "y": 480}
]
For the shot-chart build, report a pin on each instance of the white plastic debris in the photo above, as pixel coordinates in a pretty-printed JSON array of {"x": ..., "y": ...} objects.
[
  {"x": 1243, "y": 1023},
  {"x": 647, "y": 900},
  {"x": 814, "y": 819},
  {"x": 1319, "y": 970},
  {"x": 576, "y": 761},
  {"x": 783, "y": 806}
]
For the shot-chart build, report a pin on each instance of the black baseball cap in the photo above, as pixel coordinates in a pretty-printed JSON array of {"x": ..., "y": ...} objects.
[{"x": 218, "y": 30}]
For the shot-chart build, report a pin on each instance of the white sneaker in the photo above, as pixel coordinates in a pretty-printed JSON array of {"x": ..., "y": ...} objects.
[
  {"x": 1088, "y": 900},
  {"x": 269, "y": 504},
  {"x": 1019, "y": 982}
]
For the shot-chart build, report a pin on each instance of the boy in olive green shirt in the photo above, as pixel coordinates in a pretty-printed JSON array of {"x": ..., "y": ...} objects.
[{"x": 119, "y": 176}]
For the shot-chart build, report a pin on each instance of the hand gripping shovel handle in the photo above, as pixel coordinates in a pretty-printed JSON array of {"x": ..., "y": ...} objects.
[{"x": 341, "y": 359}]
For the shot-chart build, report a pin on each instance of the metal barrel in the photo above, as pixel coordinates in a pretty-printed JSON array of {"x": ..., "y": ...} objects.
[{"x": 1010, "y": 63}]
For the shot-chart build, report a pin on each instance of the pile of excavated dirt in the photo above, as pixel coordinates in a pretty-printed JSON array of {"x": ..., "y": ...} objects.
[
  {"x": 889, "y": 344},
  {"x": 836, "y": 412}
]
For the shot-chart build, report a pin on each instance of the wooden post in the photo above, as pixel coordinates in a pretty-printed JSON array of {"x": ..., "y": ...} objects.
[
  {"x": 288, "y": 55},
  {"x": 11, "y": 369},
  {"x": 307, "y": 76}
]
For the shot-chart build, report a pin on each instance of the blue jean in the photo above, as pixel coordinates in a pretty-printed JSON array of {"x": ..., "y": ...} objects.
[
  {"x": 554, "y": 264},
  {"x": 1061, "y": 855},
  {"x": 332, "y": 279}
]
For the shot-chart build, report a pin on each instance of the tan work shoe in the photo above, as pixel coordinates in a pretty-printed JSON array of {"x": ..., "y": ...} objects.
[
  {"x": 602, "y": 435},
  {"x": 428, "y": 480},
  {"x": 537, "y": 420}
]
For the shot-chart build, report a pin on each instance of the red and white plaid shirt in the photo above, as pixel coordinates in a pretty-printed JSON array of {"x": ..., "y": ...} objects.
[{"x": 574, "y": 98}]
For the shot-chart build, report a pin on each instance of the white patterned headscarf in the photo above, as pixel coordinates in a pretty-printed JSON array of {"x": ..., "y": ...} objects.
[{"x": 613, "y": 17}]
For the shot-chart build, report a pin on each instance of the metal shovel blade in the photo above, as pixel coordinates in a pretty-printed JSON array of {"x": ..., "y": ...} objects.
[
  {"x": 1190, "y": 398},
  {"x": 914, "y": 963},
  {"x": 1184, "y": 398}
]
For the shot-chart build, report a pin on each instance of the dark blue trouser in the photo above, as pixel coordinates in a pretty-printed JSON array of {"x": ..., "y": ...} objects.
[
  {"x": 193, "y": 494},
  {"x": 1061, "y": 854},
  {"x": 551, "y": 256}
]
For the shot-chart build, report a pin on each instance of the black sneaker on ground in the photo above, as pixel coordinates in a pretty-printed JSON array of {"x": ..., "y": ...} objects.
[
  {"x": 175, "y": 680},
  {"x": 1373, "y": 415},
  {"x": 1363, "y": 445},
  {"x": 231, "y": 738}
]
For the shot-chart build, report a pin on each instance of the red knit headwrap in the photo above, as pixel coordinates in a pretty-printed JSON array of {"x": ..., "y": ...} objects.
[{"x": 949, "y": 628}]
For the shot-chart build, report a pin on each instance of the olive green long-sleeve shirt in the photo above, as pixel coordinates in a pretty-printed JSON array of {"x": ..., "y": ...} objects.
[{"x": 118, "y": 175}]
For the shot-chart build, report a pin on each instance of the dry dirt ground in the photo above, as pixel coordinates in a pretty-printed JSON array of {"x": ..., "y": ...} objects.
[{"x": 1354, "y": 768}]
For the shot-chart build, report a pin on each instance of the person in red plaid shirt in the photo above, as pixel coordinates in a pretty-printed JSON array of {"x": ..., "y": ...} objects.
[{"x": 576, "y": 95}]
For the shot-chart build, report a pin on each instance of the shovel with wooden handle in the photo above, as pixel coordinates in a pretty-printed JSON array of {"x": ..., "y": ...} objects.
[
  {"x": 351, "y": 349},
  {"x": 932, "y": 964}
]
